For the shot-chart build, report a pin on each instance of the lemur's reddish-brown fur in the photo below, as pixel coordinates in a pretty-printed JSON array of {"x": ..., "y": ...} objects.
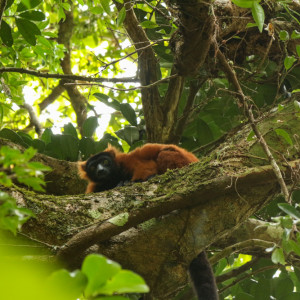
[{"x": 146, "y": 161}]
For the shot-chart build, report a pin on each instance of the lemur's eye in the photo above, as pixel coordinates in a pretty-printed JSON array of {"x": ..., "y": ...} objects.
[
  {"x": 105, "y": 162},
  {"x": 92, "y": 168}
]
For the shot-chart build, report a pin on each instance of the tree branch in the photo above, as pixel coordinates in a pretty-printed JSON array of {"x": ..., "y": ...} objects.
[
  {"x": 34, "y": 121},
  {"x": 56, "y": 92},
  {"x": 147, "y": 66},
  {"x": 239, "y": 247},
  {"x": 66, "y": 77},
  {"x": 237, "y": 271},
  {"x": 194, "y": 88}
]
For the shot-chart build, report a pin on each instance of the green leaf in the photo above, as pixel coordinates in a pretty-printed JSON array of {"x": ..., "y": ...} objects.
[
  {"x": 25, "y": 137},
  {"x": 61, "y": 14},
  {"x": 12, "y": 136},
  {"x": 71, "y": 130},
  {"x": 125, "y": 108},
  {"x": 9, "y": 4},
  {"x": 297, "y": 105},
  {"x": 121, "y": 16},
  {"x": 285, "y": 135},
  {"x": 278, "y": 256},
  {"x": 129, "y": 134},
  {"x": 89, "y": 126},
  {"x": 66, "y": 6},
  {"x": 128, "y": 113},
  {"x": 295, "y": 246},
  {"x": 295, "y": 34},
  {"x": 105, "y": 99},
  {"x": 289, "y": 61},
  {"x": 87, "y": 147},
  {"x": 284, "y": 35},
  {"x": 258, "y": 15},
  {"x": 34, "y": 15},
  {"x": 244, "y": 296},
  {"x": 282, "y": 288},
  {"x": 149, "y": 24},
  {"x": 292, "y": 296},
  {"x": 70, "y": 285},
  {"x": 64, "y": 147},
  {"x": 250, "y": 25},
  {"x": 46, "y": 43},
  {"x": 290, "y": 210},
  {"x": 47, "y": 136},
  {"x": 251, "y": 136},
  {"x": 125, "y": 282},
  {"x": 39, "y": 166},
  {"x": 28, "y": 30},
  {"x": 298, "y": 50},
  {"x": 119, "y": 220},
  {"x": 34, "y": 182},
  {"x": 243, "y": 3},
  {"x": 5, "y": 34},
  {"x": 222, "y": 264},
  {"x": 28, "y": 4},
  {"x": 97, "y": 10},
  {"x": 98, "y": 269},
  {"x": 113, "y": 297},
  {"x": 106, "y": 6}
]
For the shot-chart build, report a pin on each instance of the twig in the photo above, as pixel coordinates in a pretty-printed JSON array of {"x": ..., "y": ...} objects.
[
  {"x": 194, "y": 88},
  {"x": 161, "y": 13},
  {"x": 66, "y": 76},
  {"x": 237, "y": 271},
  {"x": 56, "y": 92},
  {"x": 129, "y": 89},
  {"x": 134, "y": 52},
  {"x": 34, "y": 121},
  {"x": 265, "y": 55},
  {"x": 243, "y": 102},
  {"x": 240, "y": 246}
]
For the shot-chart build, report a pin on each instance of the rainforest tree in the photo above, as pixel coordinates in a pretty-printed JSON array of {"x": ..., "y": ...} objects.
[{"x": 220, "y": 78}]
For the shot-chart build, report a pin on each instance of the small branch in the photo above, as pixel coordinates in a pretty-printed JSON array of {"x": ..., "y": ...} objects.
[
  {"x": 56, "y": 92},
  {"x": 161, "y": 13},
  {"x": 67, "y": 76},
  {"x": 129, "y": 89},
  {"x": 240, "y": 246},
  {"x": 266, "y": 54},
  {"x": 134, "y": 52},
  {"x": 248, "y": 112},
  {"x": 237, "y": 271},
  {"x": 194, "y": 88},
  {"x": 34, "y": 121}
]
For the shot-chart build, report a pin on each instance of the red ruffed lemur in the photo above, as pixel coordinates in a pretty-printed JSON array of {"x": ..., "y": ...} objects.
[{"x": 112, "y": 168}]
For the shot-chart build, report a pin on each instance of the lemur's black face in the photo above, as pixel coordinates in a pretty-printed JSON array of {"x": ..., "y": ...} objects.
[{"x": 101, "y": 167}]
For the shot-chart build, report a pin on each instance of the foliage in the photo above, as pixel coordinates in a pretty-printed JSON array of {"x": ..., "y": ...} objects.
[
  {"x": 99, "y": 278},
  {"x": 17, "y": 166},
  {"x": 12, "y": 217},
  {"x": 99, "y": 47}
]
